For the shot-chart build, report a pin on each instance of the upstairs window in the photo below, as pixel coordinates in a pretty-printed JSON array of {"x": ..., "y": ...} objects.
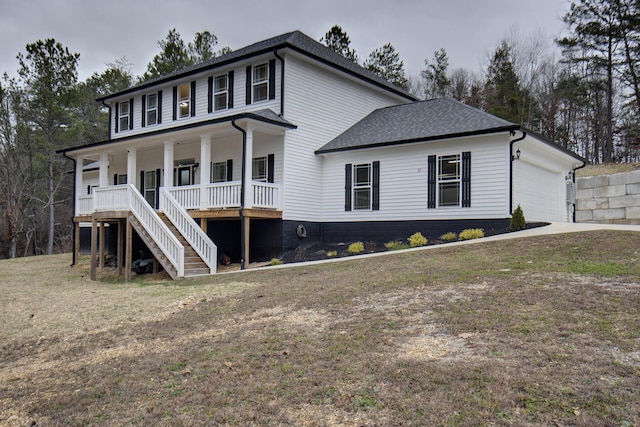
[
  {"x": 124, "y": 116},
  {"x": 151, "y": 109},
  {"x": 220, "y": 92},
  {"x": 260, "y": 83},
  {"x": 184, "y": 101}
]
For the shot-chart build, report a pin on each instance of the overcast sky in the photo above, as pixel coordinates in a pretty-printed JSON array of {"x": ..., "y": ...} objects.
[{"x": 105, "y": 30}]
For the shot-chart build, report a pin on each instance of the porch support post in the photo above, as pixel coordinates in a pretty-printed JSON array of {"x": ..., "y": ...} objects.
[
  {"x": 76, "y": 248},
  {"x": 120, "y": 254},
  {"x": 127, "y": 249},
  {"x": 247, "y": 233},
  {"x": 248, "y": 170},
  {"x": 101, "y": 243},
  {"x": 205, "y": 169},
  {"x": 94, "y": 247},
  {"x": 103, "y": 179},
  {"x": 131, "y": 167},
  {"x": 78, "y": 183},
  {"x": 168, "y": 164}
]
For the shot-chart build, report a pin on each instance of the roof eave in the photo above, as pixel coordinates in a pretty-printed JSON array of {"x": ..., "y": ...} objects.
[{"x": 424, "y": 139}]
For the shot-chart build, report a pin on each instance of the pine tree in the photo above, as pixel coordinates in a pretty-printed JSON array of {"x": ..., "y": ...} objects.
[
  {"x": 337, "y": 40},
  {"x": 437, "y": 82},
  {"x": 386, "y": 63}
]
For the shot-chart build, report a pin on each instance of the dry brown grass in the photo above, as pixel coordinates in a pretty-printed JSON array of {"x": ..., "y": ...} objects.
[
  {"x": 606, "y": 169},
  {"x": 537, "y": 331}
]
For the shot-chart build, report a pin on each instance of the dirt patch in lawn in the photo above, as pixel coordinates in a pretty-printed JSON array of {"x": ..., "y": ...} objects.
[{"x": 536, "y": 331}]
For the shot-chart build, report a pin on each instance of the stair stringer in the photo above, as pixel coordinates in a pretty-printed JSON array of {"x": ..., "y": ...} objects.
[{"x": 153, "y": 247}]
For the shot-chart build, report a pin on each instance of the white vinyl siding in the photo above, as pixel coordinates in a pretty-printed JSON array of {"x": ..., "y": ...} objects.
[
  {"x": 403, "y": 181},
  {"x": 322, "y": 105}
]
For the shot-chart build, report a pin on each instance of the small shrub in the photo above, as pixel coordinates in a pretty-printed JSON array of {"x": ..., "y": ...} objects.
[
  {"x": 395, "y": 245},
  {"x": 332, "y": 253},
  {"x": 517, "y": 220},
  {"x": 417, "y": 239},
  {"x": 449, "y": 237},
  {"x": 471, "y": 233},
  {"x": 356, "y": 248},
  {"x": 276, "y": 261}
]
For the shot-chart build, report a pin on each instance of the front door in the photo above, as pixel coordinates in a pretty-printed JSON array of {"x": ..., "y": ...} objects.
[{"x": 184, "y": 176}]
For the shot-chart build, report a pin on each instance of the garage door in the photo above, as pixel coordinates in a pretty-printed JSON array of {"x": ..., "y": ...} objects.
[{"x": 539, "y": 191}]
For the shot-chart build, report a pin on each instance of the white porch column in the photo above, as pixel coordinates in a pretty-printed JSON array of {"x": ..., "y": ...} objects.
[
  {"x": 248, "y": 170},
  {"x": 205, "y": 169},
  {"x": 131, "y": 167},
  {"x": 168, "y": 164},
  {"x": 103, "y": 176},
  {"x": 78, "y": 183}
]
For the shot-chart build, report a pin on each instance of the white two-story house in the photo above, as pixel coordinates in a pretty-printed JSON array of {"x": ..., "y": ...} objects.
[{"x": 284, "y": 143}]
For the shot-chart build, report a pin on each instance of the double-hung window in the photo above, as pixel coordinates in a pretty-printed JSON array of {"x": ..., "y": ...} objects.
[
  {"x": 220, "y": 92},
  {"x": 362, "y": 186},
  {"x": 449, "y": 180},
  {"x": 151, "y": 109},
  {"x": 124, "y": 115},
  {"x": 219, "y": 172},
  {"x": 184, "y": 101},
  {"x": 259, "y": 169},
  {"x": 260, "y": 83}
]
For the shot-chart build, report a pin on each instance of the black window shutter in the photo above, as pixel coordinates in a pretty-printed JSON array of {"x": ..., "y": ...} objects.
[
  {"x": 193, "y": 98},
  {"x": 88, "y": 189},
  {"x": 115, "y": 179},
  {"x": 131, "y": 113},
  {"x": 142, "y": 183},
  {"x": 210, "y": 94},
  {"x": 144, "y": 112},
  {"x": 347, "y": 186},
  {"x": 375, "y": 204},
  {"x": 466, "y": 179},
  {"x": 117, "y": 115},
  {"x": 230, "y": 170},
  {"x": 230, "y": 86},
  {"x": 270, "y": 166},
  {"x": 272, "y": 79},
  {"x": 248, "y": 86},
  {"x": 158, "y": 187},
  {"x": 175, "y": 102},
  {"x": 159, "y": 106},
  {"x": 431, "y": 182}
]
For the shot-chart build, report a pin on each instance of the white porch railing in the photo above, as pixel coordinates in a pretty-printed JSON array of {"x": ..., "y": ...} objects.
[
  {"x": 197, "y": 238},
  {"x": 127, "y": 197},
  {"x": 224, "y": 194},
  {"x": 217, "y": 196},
  {"x": 266, "y": 195}
]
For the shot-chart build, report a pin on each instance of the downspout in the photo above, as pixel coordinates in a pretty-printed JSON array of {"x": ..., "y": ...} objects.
[
  {"x": 242, "y": 185},
  {"x": 109, "y": 125},
  {"x": 275, "y": 52},
  {"x": 573, "y": 179},
  {"x": 524, "y": 135},
  {"x": 73, "y": 235}
]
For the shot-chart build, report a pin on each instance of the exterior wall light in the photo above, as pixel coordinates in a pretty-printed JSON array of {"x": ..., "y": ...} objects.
[{"x": 517, "y": 155}]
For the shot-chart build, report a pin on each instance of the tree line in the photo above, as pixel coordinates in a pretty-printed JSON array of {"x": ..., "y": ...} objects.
[{"x": 587, "y": 100}]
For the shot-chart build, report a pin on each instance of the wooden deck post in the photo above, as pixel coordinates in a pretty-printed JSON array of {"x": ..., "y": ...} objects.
[
  {"x": 247, "y": 233},
  {"x": 76, "y": 248},
  {"x": 101, "y": 243},
  {"x": 94, "y": 246},
  {"x": 120, "y": 254},
  {"x": 127, "y": 251}
]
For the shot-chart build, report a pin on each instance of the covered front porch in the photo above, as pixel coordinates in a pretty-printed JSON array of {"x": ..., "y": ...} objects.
[{"x": 224, "y": 171}]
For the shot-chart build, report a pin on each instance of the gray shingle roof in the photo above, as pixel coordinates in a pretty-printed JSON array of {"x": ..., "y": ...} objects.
[
  {"x": 418, "y": 121},
  {"x": 295, "y": 40}
]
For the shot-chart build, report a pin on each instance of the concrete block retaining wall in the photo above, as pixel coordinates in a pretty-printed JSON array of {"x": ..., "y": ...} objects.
[{"x": 609, "y": 199}]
